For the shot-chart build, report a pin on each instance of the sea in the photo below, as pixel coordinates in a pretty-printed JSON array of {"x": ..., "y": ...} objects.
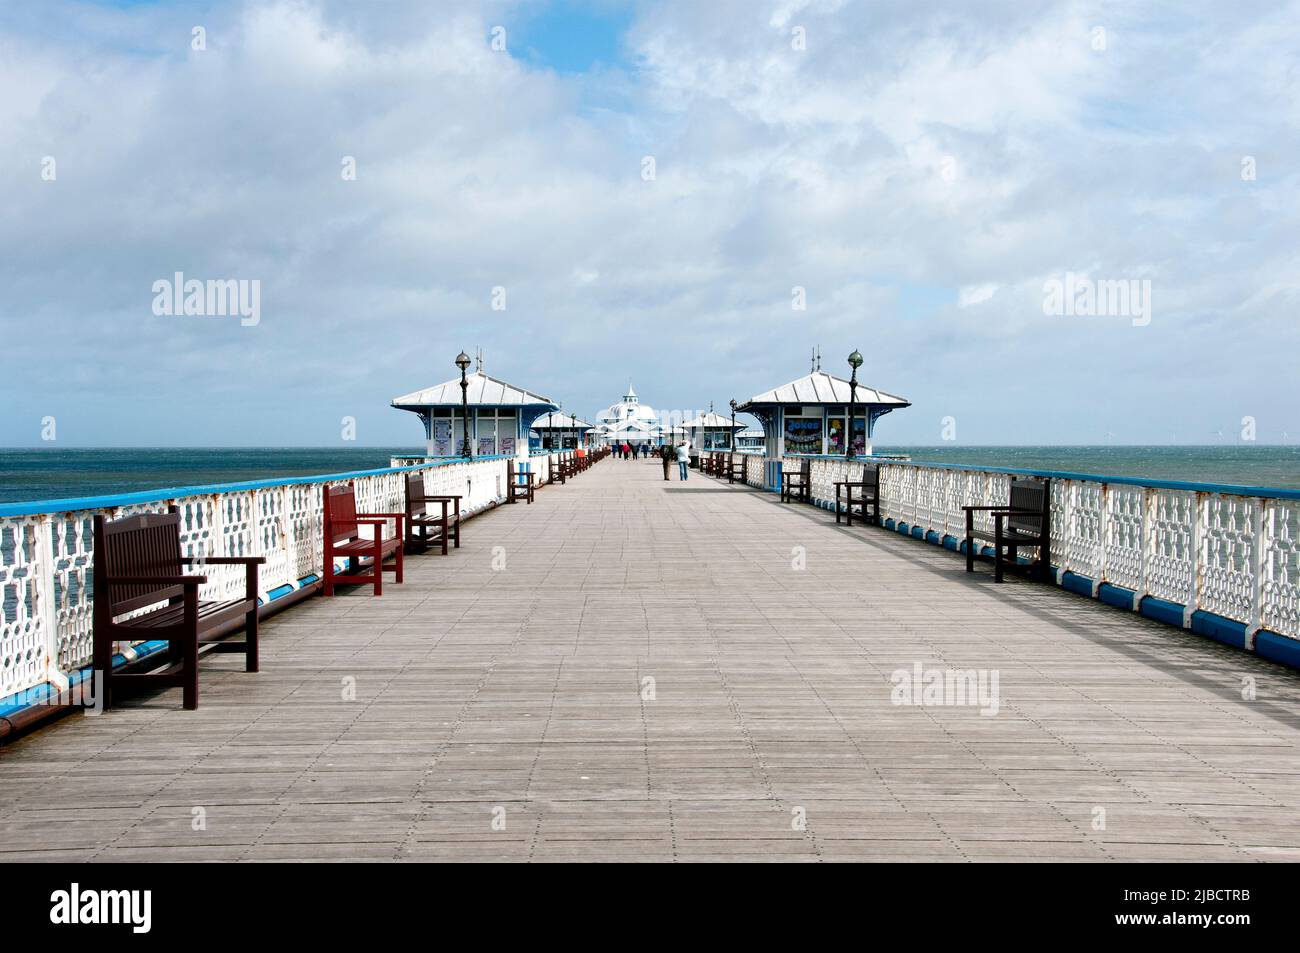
[{"x": 49, "y": 473}]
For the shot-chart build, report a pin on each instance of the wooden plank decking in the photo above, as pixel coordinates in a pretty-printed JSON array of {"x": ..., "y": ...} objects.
[{"x": 516, "y": 692}]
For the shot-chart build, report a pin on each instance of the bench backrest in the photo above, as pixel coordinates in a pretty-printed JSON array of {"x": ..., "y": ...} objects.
[
  {"x": 1033, "y": 496},
  {"x": 871, "y": 475},
  {"x": 414, "y": 494},
  {"x": 341, "y": 513},
  {"x": 145, "y": 545}
]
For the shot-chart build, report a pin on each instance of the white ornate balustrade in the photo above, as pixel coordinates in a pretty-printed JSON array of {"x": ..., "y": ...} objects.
[
  {"x": 1230, "y": 551},
  {"x": 46, "y": 553}
]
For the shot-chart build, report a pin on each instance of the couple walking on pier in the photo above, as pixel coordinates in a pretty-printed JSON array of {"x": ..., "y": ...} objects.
[{"x": 682, "y": 453}]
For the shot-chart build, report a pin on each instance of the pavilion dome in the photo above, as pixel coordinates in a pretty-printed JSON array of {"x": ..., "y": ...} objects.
[{"x": 628, "y": 410}]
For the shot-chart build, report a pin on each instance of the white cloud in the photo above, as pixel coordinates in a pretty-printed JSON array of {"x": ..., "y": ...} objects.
[{"x": 974, "y": 150}]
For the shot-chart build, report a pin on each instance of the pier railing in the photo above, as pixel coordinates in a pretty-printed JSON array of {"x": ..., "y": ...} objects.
[
  {"x": 46, "y": 550},
  {"x": 1162, "y": 547}
]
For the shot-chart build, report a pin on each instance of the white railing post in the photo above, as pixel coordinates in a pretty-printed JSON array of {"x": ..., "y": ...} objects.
[
  {"x": 1200, "y": 528},
  {"x": 43, "y": 573},
  {"x": 1147, "y": 543},
  {"x": 1258, "y": 568}
]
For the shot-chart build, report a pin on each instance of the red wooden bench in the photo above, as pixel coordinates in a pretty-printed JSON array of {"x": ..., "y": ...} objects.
[
  {"x": 343, "y": 538},
  {"x": 138, "y": 567}
]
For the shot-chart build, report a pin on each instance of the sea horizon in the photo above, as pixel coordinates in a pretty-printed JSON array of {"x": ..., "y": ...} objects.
[{"x": 38, "y": 474}]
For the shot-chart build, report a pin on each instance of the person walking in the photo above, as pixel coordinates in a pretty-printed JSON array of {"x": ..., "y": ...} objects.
[
  {"x": 683, "y": 458},
  {"x": 627, "y": 451},
  {"x": 666, "y": 455}
]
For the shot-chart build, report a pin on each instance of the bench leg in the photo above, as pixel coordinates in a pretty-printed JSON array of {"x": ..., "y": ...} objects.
[
  {"x": 103, "y": 665},
  {"x": 399, "y": 565},
  {"x": 250, "y": 641},
  {"x": 379, "y": 563},
  {"x": 190, "y": 686},
  {"x": 970, "y": 553},
  {"x": 458, "y": 532}
]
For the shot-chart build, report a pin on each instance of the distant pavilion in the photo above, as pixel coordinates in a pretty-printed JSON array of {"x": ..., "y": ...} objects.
[
  {"x": 500, "y": 416},
  {"x": 712, "y": 431},
  {"x": 810, "y": 416},
  {"x": 628, "y": 421},
  {"x": 559, "y": 431}
]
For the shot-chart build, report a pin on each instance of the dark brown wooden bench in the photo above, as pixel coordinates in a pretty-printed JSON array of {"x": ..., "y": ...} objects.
[
  {"x": 138, "y": 567},
  {"x": 343, "y": 537},
  {"x": 796, "y": 485},
  {"x": 519, "y": 483},
  {"x": 864, "y": 492},
  {"x": 1025, "y": 522},
  {"x": 557, "y": 472},
  {"x": 735, "y": 470},
  {"x": 424, "y": 529}
]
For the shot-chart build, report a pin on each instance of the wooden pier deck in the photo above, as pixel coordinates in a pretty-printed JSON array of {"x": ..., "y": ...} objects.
[{"x": 499, "y": 711}]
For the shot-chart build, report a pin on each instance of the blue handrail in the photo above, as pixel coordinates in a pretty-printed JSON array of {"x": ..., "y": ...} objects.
[
  {"x": 1231, "y": 489},
  {"x": 36, "y": 507}
]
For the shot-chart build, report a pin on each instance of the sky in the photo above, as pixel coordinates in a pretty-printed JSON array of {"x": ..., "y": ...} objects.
[{"x": 687, "y": 196}]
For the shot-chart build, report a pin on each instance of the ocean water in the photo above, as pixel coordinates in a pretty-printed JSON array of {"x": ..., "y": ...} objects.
[
  {"x": 1239, "y": 463},
  {"x": 48, "y": 473},
  {"x": 53, "y": 473}
]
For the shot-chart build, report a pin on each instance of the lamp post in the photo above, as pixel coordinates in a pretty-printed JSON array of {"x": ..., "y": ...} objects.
[
  {"x": 731, "y": 441},
  {"x": 462, "y": 361},
  {"x": 855, "y": 361}
]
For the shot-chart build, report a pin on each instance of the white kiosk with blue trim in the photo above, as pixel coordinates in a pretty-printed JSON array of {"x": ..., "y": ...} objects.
[{"x": 809, "y": 417}]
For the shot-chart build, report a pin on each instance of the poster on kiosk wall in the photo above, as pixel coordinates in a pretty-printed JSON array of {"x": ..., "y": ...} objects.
[
  {"x": 803, "y": 435},
  {"x": 442, "y": 444}
]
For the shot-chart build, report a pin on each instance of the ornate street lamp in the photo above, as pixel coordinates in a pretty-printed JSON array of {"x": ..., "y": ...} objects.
[
  {"x": 855, "y": 361},
  {"x": 731, "y": 443},
  {"x": 462, "y": 361}
]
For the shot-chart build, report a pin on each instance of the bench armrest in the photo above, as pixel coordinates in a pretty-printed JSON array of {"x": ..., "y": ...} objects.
[
  {"x": 969, "y": 509},
  {"x": 226, "y": 560},
  {"x": 156, "y": 580}
]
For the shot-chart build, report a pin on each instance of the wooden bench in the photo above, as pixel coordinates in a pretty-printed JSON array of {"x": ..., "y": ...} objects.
[
  {"x": 424, "y": 530},
  {"x": 138, "y": 567},
  {"x": 519, "y": 483},
  {"x": 864, "y": 493},
  {"x": 1024, "y": 522},
  {"x": 343, "y": 537},
  {"x": 797, "y": 484},
  {"x": 735, "y": 470},
  {"x": 556, "y": 470}
]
